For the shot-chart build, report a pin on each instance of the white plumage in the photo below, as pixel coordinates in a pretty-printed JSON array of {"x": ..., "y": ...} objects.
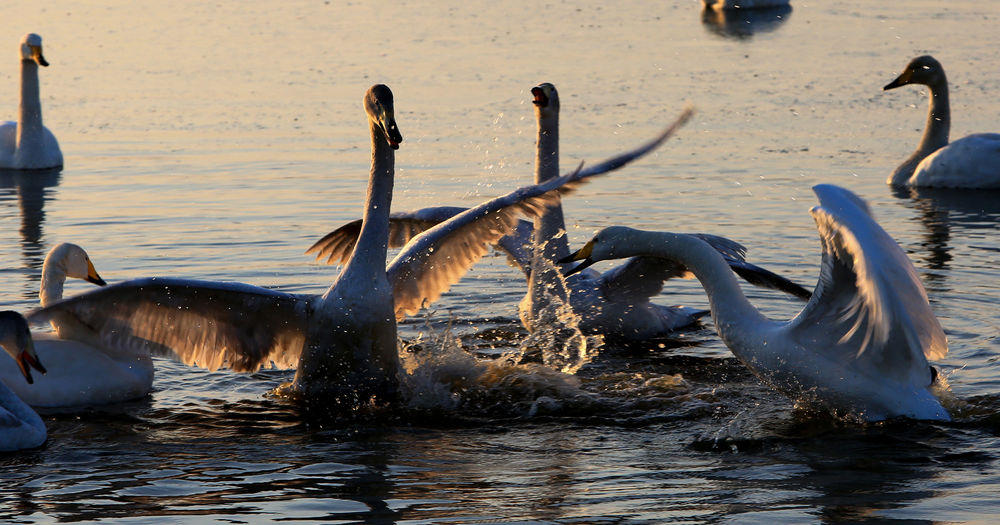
[
  {"x": 27, "y": 144},
  {"x": 862, "y": 343}
]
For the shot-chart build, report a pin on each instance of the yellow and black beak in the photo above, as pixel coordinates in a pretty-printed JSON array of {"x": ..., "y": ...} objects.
[
  {"x": 36, "y": 54},
  {"x": 581, "y": 254},
  {"x": 92, "y": 276},
  {"x": 27, "y": 360},
  {"x": 392, "y": 134},
  {"x": 902, "y": 80}
]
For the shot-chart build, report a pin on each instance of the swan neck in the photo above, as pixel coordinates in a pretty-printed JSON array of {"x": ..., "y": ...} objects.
[
  {"x": 29, "y": 117},
  {"x": 550, "y": 227},
  {"x": 935, "y": 132},
  {"x": 938, "y": 119},
  {"x": 53, "y": 280},
  {"x": 729, "y": 306},
  {"x": 372, "y": 247}
]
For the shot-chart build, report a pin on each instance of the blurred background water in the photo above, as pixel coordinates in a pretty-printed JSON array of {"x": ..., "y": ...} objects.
[{"x": 218, "y": 141}]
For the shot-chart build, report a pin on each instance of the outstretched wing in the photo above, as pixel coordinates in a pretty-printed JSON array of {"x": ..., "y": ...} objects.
[
  {"x": 869, "y": 302},
  {"x": 336, "y": 247},
  {"x": 203, "y": 323},
  {"x": 440, "y": 256}
]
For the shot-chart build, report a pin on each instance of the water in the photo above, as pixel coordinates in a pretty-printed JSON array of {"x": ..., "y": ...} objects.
[{"x": 219, "y": 141}]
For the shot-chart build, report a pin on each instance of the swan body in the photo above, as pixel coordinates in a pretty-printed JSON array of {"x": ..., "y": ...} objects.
[
  {"x": 727, "y": 5},
  {"x": 860, "y": 346},
  {"x": 27, "y": 144},
  {"x": 970, "y": 162},
  {"x": 343, "y": 343},
  {"x": 83, "y": 371},
  {"x": 20, "y": 426},
  {"x": 615, "y": 304}
]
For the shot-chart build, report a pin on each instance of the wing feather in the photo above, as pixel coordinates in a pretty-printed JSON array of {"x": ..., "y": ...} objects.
[
  {"x": 202, "y": 323},
  {"x": 869, "y": 301},
  {"x": 440, "y": 256}
]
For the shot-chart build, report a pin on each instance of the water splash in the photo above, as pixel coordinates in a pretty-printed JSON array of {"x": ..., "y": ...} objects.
[
  {"x": 555, "y": 334},
  {"x": 438, "y": 374}
]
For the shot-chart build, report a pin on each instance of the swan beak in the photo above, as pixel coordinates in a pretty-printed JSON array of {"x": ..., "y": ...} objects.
[
  {"x": 540, "y": 98},
  {"x": 582, "y": 253},
  {"x": 27, "y": 360},
  {"x": 902, "y": 80},
  {"x": 392, "y": 134},
  {"x": 92, "y": 276},
  {"x": 36, "y": 53}
]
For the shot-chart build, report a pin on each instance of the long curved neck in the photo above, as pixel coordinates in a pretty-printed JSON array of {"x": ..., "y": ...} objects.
[
  {"x": 731, "y": 310},
  {"x": 373, "y": 241},
  {"x": 29, "y": 117},
  {"x": 550, "y": 226},
  {"x": 935, "y": 130},
  {"x": 53, "y": 280}
]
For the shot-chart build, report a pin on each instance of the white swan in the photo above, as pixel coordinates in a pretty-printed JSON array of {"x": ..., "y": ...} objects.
[
  {"x": 726, "y": 5},
  {"x": 82, "y": 370},
  {"x": 615, "y": 304},
  {"x": 861, "y": 344},
  {"x": 343, "y": 343},
  {"x": 969, "y": 162},
  {"x": 27, "y": 144},
  {"x": 20, "y": 426}
]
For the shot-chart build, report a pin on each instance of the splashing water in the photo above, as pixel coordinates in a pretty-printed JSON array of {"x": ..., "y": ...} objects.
[
  {"x": 556, "y": 331},
  {"x": 438, "y": 374}
]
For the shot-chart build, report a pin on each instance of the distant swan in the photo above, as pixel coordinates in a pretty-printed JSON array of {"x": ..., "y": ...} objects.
[
  {"x": 82, "y": 369},
  {"x": 861, "y": 344},
  {"x": 725, "y": 5},
  {"x": 615, "y": 304},
  {"x": 27, "y": 144},
  {"x": 969, "y": 162},
  {"x": 20, "y": 426},
  {"x": 343, "y": 343}
]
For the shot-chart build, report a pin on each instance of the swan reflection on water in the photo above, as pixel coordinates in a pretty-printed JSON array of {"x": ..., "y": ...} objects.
[
  {"x": 742, "y": 24},
  {"x": 31, "y": 189}
]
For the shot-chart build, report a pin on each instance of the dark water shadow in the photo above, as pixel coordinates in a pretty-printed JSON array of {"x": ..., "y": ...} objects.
[
  {"x": 32, "y": 189},
  {"x": 742, "y": 24},
  {"x": 946, "y": 213}
]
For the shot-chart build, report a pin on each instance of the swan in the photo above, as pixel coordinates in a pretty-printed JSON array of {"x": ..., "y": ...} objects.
[
  {"x": 27, "y": 144},
  {"x": 20, "y": 426},
  {"x": 343, "y": 343},
  {"x": 969, "y": 162},
  {"x": 615, "y": 304},
  {"x": 861, "y": 345},
  {"x": 727, "y": 5},
  {"x": 82, "y": 370}
]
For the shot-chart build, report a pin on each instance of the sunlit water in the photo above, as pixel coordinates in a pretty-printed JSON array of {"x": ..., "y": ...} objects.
[{"x": 218, "y": 141}]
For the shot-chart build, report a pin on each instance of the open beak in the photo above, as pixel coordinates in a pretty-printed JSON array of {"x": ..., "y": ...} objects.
[
  {"x": 581, "y": 254},
  {"x": 540, "y": 99},
  {"x": 92, "y": 276},
  {"x": 27, "y": 360},
  {"x": 36, "y": 53}
]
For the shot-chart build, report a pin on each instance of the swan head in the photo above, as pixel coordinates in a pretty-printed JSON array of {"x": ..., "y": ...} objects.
[
  {"x": 609, "y": 243},
  {"x": 31, "y": 49},
  {"x": 16, "y": 340},
  {"x": 74, "y": 262},
  {"x": 378, "y": 105},
  {"x": 924, "y": 70},
  {"x": 546, "y": 99}
]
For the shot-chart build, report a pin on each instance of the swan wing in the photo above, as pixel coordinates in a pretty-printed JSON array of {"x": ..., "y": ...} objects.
[
  {"x": 437, "y": 258},
  {"x": 869, "y": 304},
  {"x": 336, "y": 247},
  {"x": 203, "y": 323}
]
